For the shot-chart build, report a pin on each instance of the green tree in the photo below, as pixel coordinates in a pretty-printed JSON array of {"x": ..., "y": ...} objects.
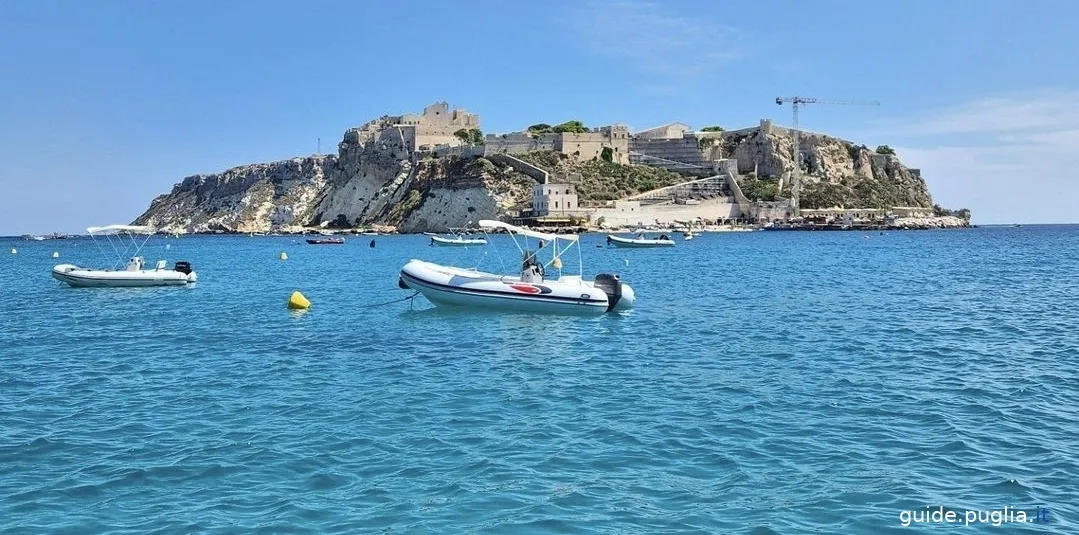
[
  {"x": 885, "y": 149},
  {"x": 606, "y": 154},
  {"x": 576, "y": 127},
  {"x": 712, "y": 129},
  {"x": 475, "y": 135},
  {"x": 463, "y": 135}
]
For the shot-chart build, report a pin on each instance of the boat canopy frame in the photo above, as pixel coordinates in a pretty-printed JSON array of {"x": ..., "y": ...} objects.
[
  {"x": 556, "y": 252},
  {"x": 124, "y": 249}
]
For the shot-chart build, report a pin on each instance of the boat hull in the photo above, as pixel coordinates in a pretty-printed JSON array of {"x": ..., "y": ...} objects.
[
  {"x": 327, "y": 241},
  {"x": 438, "y": 241},
  {"x": 98, "y": 278},
  {"x": 638, "y": 243},
  {"x": 452, "y": 287}
]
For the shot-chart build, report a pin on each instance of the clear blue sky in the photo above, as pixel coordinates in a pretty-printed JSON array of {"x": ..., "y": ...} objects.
[{"x": 107, "y": 104}]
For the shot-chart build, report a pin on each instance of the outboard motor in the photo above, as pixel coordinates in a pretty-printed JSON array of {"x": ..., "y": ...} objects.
[
  {"x": 183, "y": 267},
  {"x": 612, "y": 286}
]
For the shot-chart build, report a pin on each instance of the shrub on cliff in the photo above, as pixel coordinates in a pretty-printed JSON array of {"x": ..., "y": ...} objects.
[
  {"x": 873, "y": 193},
  {"x": 712, "y": 129},
  {"x": 407, "y": 205},
  {"x": 885, "y": 149},
  {"x": 756, "y": 189},
  {"x": 598, "y": 180},
  {"x": 823, "y": 195}
]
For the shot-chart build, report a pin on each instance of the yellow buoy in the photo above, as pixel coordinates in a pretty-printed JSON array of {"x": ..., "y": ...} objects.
[
  {"x": 557, "y": 264},
  {"x": 298, "y": 302},
  {"x": 283, "y": 256},
  {"x": 13, "y": 251}
]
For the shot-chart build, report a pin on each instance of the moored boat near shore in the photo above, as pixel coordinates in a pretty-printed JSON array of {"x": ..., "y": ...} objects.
[
  {"x": 640, "y": 241},
  {"x": 530, "y": 291},
  {"x": 326, "y": 241},
  {"x": 133, "y": 274}
]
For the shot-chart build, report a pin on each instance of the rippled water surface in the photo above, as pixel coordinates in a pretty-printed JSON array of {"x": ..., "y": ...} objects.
[{"x": 767, "y": 383}]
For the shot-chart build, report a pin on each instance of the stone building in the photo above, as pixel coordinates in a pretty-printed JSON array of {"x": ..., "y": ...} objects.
[
  {"x": 590, "y": 145},
  {"x": 585, "y": 146},
  {"x": 435, "y": 126},
  {"x": 552, "y": 199}
]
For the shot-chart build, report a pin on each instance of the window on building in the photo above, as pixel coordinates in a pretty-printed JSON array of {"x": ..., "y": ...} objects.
[
  {"x": 569, "y": 204},
  {"x": 556, "y": 204}
]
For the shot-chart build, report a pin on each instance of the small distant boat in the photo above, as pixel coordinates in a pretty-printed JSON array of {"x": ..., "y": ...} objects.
[
  {"x": 640, "y": 241},
  {"x": 458, "y": 239},
  {"x": 133, "y": 274},
  {"x": 325, "y": 241},
  {"x": 529, "y": 290}
]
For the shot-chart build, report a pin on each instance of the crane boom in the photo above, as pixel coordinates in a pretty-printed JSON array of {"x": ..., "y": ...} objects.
[{"x": 796, "y": 173}]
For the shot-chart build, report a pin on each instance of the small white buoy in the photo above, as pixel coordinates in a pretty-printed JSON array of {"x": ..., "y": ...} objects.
[
  {"x": 13, "y": 251},
  {"x": 56, "y": 254},
  {"x": 168, "y": 246},
  {"x": 283, "y": 256},
  {"x": 626, "y": 260}
]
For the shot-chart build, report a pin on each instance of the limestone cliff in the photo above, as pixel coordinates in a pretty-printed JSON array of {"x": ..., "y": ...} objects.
[
  {"x": 250, "y": 198},
  {"x": 835, "y": 172},
  {"x": 371, "y": 182}
]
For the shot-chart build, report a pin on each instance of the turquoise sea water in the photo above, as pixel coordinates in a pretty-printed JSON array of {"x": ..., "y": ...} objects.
[{"x": 766, "y": 383}]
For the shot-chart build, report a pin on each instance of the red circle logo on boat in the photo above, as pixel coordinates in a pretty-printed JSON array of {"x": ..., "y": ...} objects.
[{"x": 526, "y": 288}]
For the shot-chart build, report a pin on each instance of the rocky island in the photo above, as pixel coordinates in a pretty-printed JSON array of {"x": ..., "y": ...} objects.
[{"x": 436, "y": 170}]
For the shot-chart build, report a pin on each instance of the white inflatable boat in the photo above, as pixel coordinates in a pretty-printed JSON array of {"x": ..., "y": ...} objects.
[
  {"x": 132, "y": 274},
  {"x": 640, "y": 241},
  {"x": 459, "y": 237},
  {"x": 439, "y": 241},
  {"x": 531, "y": 290}
]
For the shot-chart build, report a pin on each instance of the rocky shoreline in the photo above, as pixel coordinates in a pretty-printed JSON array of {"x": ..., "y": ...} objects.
[{"x": 910, "y": 223}]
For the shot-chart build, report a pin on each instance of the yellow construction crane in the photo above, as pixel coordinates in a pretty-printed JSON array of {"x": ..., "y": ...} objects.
[{"x": 796, "y": 174}]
